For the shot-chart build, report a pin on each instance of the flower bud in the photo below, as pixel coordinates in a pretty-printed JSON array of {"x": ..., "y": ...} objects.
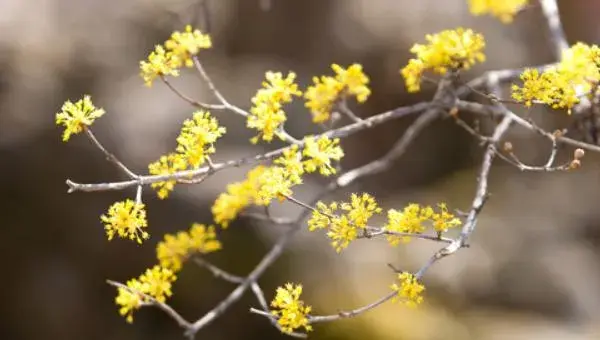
[{"x": 578, "y": 154}]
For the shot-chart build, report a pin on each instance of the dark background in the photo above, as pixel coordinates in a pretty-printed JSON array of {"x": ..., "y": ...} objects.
[{"x": 531, "y": 273}]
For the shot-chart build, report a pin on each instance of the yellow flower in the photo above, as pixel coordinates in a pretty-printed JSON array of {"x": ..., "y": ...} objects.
[
  {"x": 166, "y": 165},
  {"x": 160, "y": 63},
  {"x": 558, "y": 86},
  {"x": 155, "y": 283},
  {"x": 444, "y": 220},
  {"x": 126, "y": 220},
  {"x": 238, "y": 196},
  {"x": 320, "y": 153},
  {"x": 360, "y": 209},
  {"x": 204, "y": 239},
  {"x": 172, "y": 252},
  {"x": 409, "y": 289},
  {"x": 343, "y": 228},
  {"x": 410, "y": 220},
  {"x": 321, "y": 96},
  {"x": 291, "y": 161},
  {"x": 354, "y": 81},
  {"x": 326, "y": 91},
  {"x": 450, "y": 49},
  {"x": 292, "y": 313},
  {"x": 504, "y": 10},
  {"x": 184, "y": 45},
  {"x": 195, "y": 142},
  {"x": 130, "y": 299},
  {"x": 322, "y": 215},
  {"x": 341, "y": 232},
  {"x": 75, "y": 117},
  {"x": 274, "y": 182},
  {"x": 267, "y": 115}
]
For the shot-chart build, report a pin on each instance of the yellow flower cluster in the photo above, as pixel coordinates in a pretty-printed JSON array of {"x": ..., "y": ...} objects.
[
  {"x": 194, "y": 145},
  {"x": 450, "y": 49},
  {"x": 155, "y": 284},
  {"x": 504, "y": 10},
  {"x": 263, "y": 184},
  {"x": 322, "y": 96},
  {"x": 175, "y": 249},
  {"x": 344, "y": 220},
  {"x": 558, "y": 87},
  {"x": 292, "y": 313},
  {"x": 166, "y": 165},
  {"x": 126, "y": 220},
  {"x": 409, "y": 289},
  {"x": 267, "y": 115},
  {"x": 412, "y": 218},
  {"x": 177, "y": 52},
  {"x": 77, "y": 116},
  {"x": 320, "y": 153},
  {"x": 197, "y": 138},
  {"x": 238, "y": 196}
]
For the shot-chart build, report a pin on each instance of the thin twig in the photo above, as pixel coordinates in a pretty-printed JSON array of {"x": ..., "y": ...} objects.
[
  {"x": 181, "y": 321},
  {"x": 557, "y": 33},
  {"x": 109, "y": 156},
  {"x": 216, "y": 271}
]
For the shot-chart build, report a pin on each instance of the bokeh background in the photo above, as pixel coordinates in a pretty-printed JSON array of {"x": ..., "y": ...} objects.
[{"x": 532, "y": 271}]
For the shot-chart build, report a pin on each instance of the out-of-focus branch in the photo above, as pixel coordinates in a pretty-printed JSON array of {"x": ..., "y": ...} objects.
[{"x": 557, "y": 33}]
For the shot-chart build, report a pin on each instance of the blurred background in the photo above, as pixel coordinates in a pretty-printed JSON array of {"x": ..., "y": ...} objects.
[{"x": 532, "y": 271}]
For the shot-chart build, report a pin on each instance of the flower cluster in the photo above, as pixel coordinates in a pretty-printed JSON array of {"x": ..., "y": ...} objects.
[
  {"x": 322, "y": 96},
  {"x": 412, "y": 218},
  {"x": 409, "y": 289},
  {"x": 263, "y": 184},
  {"x": 238, "y": 196},
  {"x": 175, "y": 249},
  {"x": 194, "y": 145},
  {"x": 267, "y": 115},
  {"x": 166, "y": 165},
  {"x": 292, "y": 313},
  {"x": 320, "y": 153},
  {"x": 177, "y": 52},
  {"x": 75, "y": 117},
  {"x": 344, "y": 220},
  {"x": 504, "y": 10},
  {"x": 559, "y": 86},
  {"x": 154, "y": 284},
  {"x": 126, "y": 219},
  {"x": 197, "y": 138},
  {"x": 450, "y": 49}
]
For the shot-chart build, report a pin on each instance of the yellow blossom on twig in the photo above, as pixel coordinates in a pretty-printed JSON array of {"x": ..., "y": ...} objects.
[
  {"x": 321, "y": 153},
  {"x": 450, "y": 49},
  {"x": 504, "y": 10},
  {"x": 76, "y": 116},
  {"x": 326, "y": 91},
  {"x": 409, "y": 289},
  {"x": 166, "y": 165},
  {"x": 175, "y": 249},
  {"x": 198, "y": 135},
  {"x": 267, "y": 115},
  {"x": 155, "y": 283},
  {"x": 292, "y": 312},
  {"x": 126, "y": 219}
]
